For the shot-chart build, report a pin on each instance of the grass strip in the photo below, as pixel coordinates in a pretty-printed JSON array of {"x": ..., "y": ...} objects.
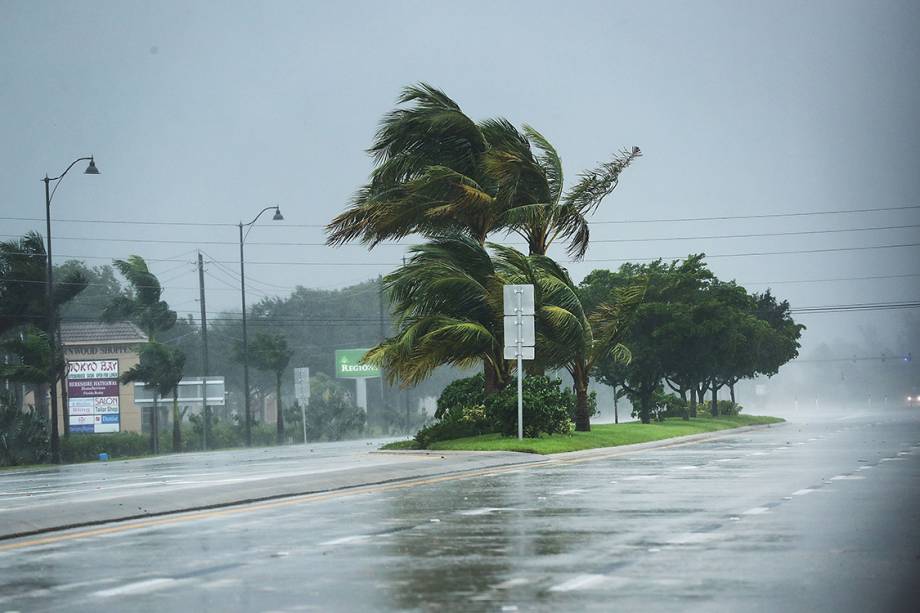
[{"x": 602, "y": 435}]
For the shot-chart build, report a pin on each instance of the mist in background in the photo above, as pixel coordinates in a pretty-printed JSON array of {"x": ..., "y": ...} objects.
[{"x": 206, "y": 112}]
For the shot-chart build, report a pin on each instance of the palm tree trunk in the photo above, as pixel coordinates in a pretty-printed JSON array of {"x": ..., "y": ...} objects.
[
  {"x": 693, "y": 401},
  {"x": 177, "y": 424},
  {"x": 616, "y": 409},
  {"x": 279, "y": 420},
  {"x": 490, "y": 376},
  {"x": 580, "y": 377},
  {"x": 731, "y": 389},
  {"x": 683, "y": 396}
]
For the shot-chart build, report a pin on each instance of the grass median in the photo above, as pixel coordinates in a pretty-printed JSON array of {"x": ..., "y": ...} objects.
[{"x": 601, "y": 435}]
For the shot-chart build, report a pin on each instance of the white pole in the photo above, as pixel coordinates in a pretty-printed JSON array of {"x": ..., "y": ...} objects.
[
  {"x": 520, "y": 364},
  {"x": 303, "y": 416}
]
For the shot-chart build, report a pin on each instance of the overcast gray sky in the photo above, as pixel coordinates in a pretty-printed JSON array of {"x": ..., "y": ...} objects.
[{"x": 208, "y": 111}]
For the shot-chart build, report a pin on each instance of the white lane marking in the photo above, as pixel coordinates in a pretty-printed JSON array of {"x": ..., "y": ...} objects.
[
  {"x": 613, "y": 482},
  {"x": 756, "y": 511},
  {"x": 138, "y": 587},
  {"x": 865, "y": 468},
  {"x": 688, "y": 467},
  {"x": 903, "y": 453},
  {"x": 569, "y": 492},
  {"x": 577, "y": 583},
  {"x": 219, "y": 584},
  {"x": 890, "y": 459},
  {"x": 346, "y": 540},
  {"x": 847, "y": 478},
  {"x": 758, "y": 453},
  {"x": 509, "y": 607},
  {"x": 485, "y": 510},
  {"x": 510, "y": 583},
  {"x": 727, "y": 460},
  {"x": 812, "y": 439},
  {"x": 690, "y": 538},
  {"x": 803, "y": 492},
  {"x": 640, "y": 478}
]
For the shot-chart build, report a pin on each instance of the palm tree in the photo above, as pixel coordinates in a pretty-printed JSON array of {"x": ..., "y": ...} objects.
[
  {"x": 159, "y": 368},
  {"x": 141, "y": 304},
  {"x": 569, "y": 338},
  {"x": 270, "y": 352},
  {"x": 448, "y": 304},
  {"x": 448, "y": 300},
  {"x": 33, "y": 354},
  {"x": 24, "y": 303},
  {"x": 440, "y": 172}
]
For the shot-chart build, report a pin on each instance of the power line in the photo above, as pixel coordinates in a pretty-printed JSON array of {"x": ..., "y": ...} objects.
[
  {"x": 849, "y": 308},
  {"x": 617, "y": 221},
  {"x": 753, "y": 253},
  {"x": 762, "y": 216},
  {"x": 407, "y": 245}
]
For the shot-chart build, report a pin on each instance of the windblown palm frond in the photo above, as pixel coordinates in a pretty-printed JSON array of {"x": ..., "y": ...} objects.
[
  {"x": 142, "y": 304},
  {"x": 32, "y": 351}
]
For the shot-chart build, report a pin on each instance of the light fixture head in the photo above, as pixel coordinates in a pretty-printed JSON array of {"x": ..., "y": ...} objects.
[
  {"x": 278, "y": 216},
  {"x": 91, "y": 169}
]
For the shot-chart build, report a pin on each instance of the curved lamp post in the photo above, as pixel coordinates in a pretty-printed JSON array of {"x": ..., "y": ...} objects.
[
  {"x": 248, "y": 414},
  {"x": 52, "y": 325}
]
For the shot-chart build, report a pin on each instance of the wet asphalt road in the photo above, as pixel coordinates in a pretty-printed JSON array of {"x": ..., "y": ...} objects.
[{"x": 818, "y": 514}]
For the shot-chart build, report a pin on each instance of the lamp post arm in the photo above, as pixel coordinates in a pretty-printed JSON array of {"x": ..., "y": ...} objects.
[
  {"x": 254, "y": 220},
  {"x": 61, "y": 176}
]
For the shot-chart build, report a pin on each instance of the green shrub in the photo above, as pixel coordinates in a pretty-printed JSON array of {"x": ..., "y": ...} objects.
[
  {"x": 86, "y": 447},
  {"x": 23, "y": 435},
  {"x": 459, "y": 394},
  {"x": 457, "y": 423},
  {"x": 548, "y": 408},
  {"x": 671, "y": 405},
  {"x": 726, "y": 407}
]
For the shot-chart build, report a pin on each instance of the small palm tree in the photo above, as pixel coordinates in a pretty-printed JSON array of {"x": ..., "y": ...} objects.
[
  {"x": 270, "y": 352},
  {"x": 160, "y": 368},
  {"x": 448, "y": 304},
  {"x": 141, "y": 304},
  {"x": 566, "y": 336}
]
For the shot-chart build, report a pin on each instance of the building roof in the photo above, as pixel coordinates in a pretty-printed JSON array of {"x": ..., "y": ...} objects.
[{"x": 78, "y": 332}]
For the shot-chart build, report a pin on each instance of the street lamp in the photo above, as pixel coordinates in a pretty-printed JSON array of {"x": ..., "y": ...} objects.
[
  {"x": 276, "y": 217},
  {"x": 49, "y": 194}
]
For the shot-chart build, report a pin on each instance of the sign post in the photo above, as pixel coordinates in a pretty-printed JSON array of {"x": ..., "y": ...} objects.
[
  {"x": 520, "y": 336},
  {"x": 302, "y": 395}
]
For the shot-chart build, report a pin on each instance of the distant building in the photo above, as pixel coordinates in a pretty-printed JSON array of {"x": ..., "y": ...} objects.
[{"x": 97, "y": 354}]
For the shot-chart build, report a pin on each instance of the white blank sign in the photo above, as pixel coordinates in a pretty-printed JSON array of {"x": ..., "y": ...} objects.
[
  {"x": 510, "y": 295},
  {"x": 527, "y": 353},
  {"x": 528, "y": 336}
]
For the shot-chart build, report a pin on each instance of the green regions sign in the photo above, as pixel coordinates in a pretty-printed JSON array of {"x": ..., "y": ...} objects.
[{"x": 348, "y": 365}]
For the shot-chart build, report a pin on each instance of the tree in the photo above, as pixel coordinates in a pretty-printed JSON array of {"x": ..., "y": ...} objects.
[
  {"x": 655, "y": 333},
  {"x": 159, "y": 368},
  {"x": 439, "y": 172},
  {"x": 270, "y": 353},
  {"x": 141, "y": 303}
]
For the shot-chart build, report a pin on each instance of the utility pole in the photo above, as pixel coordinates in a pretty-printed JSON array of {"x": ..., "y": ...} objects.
[
  {"x": 206, "y": 413},
  {"x": 383, "y": 403}
]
